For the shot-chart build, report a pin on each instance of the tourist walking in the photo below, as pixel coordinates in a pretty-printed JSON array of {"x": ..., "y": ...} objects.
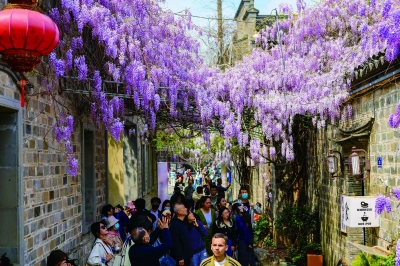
[
  {"x": 219, "y": 257},
  {"x": 214, "y": 196},
  {"x": 113, "y": 234},
  {"x": 196, "y": 234},
  {"x": 225, "y": 225},
  {"x": 101, "y": 253},
  {"x": 220, "y": 203},
  {"x": 245, "y": 237},
  {"x": 198, "y": 194},
  {"x": 249, "y": 207},
  {"x": 155, "y": 204},
  {"x": 188, "y": 191},
  {"x": 57, "y": 258},
  {"x": 181, "y": 249},
  {"x": 177, "y": 197},
  {"x": 207, "y": 217},
  {"x": 221, "y": 189},
  {"x": 142, "y": 253}
]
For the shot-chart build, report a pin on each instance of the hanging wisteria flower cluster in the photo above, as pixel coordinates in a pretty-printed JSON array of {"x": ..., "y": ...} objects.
[
  {"x": 63, "y": 131},
  {"x": 384, "y": 203},
  {"x": 135, "y": 43},
  {"x": 223, "y": 157},
  {"x": 148, "y": 50},
  {"x": 320, "y": 47}
]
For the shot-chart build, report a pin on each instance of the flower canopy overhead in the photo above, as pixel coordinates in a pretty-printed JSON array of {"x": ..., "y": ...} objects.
[{"x": 151, "y": 52}]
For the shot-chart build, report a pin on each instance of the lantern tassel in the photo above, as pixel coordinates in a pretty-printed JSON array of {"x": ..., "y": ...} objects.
[
  {"x": 22, "y": 83},
  {"x": 23, "y": 96}
]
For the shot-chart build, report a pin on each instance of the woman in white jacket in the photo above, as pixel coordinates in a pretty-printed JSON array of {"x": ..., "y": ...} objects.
[{"x": 101, "y": 253}]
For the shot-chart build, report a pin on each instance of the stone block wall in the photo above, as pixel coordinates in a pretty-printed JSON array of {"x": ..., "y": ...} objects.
[
  {"x": 52, "y": 198},
  {"x": 382, "y": 141}
]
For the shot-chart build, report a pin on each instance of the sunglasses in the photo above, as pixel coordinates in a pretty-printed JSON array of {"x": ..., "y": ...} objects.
[{"x": 103, "y": 227}]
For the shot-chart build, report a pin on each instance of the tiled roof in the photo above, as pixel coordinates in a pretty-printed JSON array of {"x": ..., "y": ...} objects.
[{"x": 371, "y": 64}]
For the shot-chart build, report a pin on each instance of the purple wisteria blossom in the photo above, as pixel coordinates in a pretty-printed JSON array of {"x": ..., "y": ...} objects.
[
  {"x": 380, "y": 204},
  {"x": 72, "y": 165},
  {"x": 155, "y": 57},
  {"x": 386, "y": 8},
  {"x": 116, "y": 129},
  {"x": 396, "y": 193},
  {"x": 388, "y": 205}
]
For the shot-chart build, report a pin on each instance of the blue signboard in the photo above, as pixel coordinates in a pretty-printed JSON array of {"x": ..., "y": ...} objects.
[
  {"x": 229, "y": 177},
  {"x": 379, "y": 160}
]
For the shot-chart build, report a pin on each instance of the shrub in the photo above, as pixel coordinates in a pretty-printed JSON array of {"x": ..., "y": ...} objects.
[
  {"x": 261, "y": 230},
  {"x": 300, "y": 225}
]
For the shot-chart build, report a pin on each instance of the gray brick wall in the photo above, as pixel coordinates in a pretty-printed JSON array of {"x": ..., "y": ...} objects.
[
  {"x": 383, "y": 141},
  {"x": 51, "y": 198}
]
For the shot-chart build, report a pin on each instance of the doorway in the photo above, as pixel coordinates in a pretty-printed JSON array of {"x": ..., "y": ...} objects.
[{"x": 9, "y": 184}]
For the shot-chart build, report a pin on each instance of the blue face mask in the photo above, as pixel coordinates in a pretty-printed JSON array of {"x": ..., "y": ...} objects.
[
  {"x": 116, "y": 226},
  {"x": 245, "y": 196},
  {"x": 167, "y": 208}
]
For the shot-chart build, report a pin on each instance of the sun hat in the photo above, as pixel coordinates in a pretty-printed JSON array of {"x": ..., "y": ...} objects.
[{"x": 111, "y": 221}]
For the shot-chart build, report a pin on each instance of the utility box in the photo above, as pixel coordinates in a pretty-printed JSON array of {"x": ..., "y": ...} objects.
[{"x": 359, "y": 211}]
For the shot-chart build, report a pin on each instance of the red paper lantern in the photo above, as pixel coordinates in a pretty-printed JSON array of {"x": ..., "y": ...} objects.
[{"x": 25, "y": 36}]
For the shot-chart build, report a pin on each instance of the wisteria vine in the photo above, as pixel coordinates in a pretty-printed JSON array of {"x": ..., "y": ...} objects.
[
  {"x": 321, "y": 46},
  {"x": 149, "y": 50},
  {"x": 135, "y": 43}
]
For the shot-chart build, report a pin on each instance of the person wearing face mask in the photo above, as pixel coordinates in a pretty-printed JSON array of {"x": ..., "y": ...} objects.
[
  {"x": 249, "y": 207},
  {"x": 142, "y": 253},
  {"x": 155, "y": 204},
  {"x": 113, "y": 235},
  {"x": 166, "y": 205},
  {"x": 214, "y": 196}
]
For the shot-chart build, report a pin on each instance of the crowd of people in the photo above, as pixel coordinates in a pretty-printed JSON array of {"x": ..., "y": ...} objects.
[{"x": 196, "y": 226}]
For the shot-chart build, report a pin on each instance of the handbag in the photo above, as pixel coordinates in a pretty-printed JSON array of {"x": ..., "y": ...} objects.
[{"x": 167, "y": 261}]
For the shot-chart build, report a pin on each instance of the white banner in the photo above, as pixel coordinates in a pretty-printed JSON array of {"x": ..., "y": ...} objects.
[{"x": 359, "y": 211}]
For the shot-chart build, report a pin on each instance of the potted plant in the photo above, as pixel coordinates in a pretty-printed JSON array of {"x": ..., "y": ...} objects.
[{"x": 314, "y": 254}]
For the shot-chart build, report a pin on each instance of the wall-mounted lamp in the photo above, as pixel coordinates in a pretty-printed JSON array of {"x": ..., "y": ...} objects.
[
  {"x": 357, "y": 166},
  {"x": 250, "y": 162},
  {"x": 332, "y": 164}
]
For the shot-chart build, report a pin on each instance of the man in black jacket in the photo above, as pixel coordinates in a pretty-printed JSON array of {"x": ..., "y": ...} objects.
[
  {"x": 142, "y": 253},
  {"x": 181, "y": 249}
]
